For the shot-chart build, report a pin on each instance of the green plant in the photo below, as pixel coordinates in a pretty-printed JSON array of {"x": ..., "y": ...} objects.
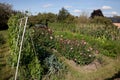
[
  {"x": 28, "y": 58},
  {"x": 97, "y": 35},
  {"x": 55, "y": 67},
  {"x": 37, "y": 47},
  {"x": 101, "y": 20},
  {"x": 79, "y": 51}
]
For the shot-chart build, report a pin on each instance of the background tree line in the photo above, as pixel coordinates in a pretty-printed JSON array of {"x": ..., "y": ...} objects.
[{"x": 62, "y": 17}]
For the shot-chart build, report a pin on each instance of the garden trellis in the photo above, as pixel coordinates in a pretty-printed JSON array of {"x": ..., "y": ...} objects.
[
  {"x": 21, "y": 39},
  {"x": 21, "y": 43}
]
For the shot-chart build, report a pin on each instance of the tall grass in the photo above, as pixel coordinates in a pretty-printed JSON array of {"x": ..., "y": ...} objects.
[
  {"x": 95, "y": 30},
  {"x": 63, "y": 27}
]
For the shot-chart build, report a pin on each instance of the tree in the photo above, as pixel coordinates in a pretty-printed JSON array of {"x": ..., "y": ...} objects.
[
  {"x": 97, "y": 12},
  {"x": 5, "y": 13},
  {"x": 70, "y": 18},
  {"x": 51, "y": 17},
  {"x": 62, "y": 15},
  {"x": 98, "y": 18},
  {"x": 42, "y": 17}
]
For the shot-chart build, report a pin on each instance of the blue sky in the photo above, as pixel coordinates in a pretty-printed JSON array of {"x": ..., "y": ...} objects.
[{"x": 75, "y": 7}]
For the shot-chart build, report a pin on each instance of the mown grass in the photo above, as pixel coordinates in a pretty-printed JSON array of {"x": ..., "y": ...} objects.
[{"x": 106, "y": 71}]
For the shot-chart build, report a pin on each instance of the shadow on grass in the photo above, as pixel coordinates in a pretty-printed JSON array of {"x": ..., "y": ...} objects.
[{"x": 117, "y": 75}]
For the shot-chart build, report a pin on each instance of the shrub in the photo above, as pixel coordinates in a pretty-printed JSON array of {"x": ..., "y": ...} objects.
[{"x": 101, "y": 20}]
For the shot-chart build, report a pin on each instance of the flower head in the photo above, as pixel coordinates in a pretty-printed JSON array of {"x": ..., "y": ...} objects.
[
  {"x": 71, "y": 48},
  {"x": 51, "y": 37}
]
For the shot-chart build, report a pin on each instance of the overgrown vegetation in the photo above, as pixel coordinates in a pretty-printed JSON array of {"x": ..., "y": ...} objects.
[
  {"x": 78, "y": 39},
  {"x": 36, "y": 51},
  {"x": 79, "y": 51},
  {"x": 101, "y": 37}
]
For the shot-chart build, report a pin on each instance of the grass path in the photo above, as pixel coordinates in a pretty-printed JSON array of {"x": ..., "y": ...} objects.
[
  {"x": 93, "y": 71},
  {"x": 5, "y": 70},
  {"x": 101, "y": 73},
  {"x": 90, "y": 72}
]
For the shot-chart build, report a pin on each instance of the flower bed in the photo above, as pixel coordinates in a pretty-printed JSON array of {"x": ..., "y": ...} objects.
[{"x": 79, "y": 51}]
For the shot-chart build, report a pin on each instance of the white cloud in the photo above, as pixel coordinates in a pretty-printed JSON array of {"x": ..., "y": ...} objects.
[
  {"x": 106, "y": 7},
  {"x": 111, "y": 13},
  {"x": 47, "y": 5},
  {"x": 114, "y": 13},
  {"x": 67, "y": 7},
  {"x": 77, "y": 11}
]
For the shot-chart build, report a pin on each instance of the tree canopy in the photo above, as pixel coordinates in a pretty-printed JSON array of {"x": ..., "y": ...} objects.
[
  {"x": 97, "y": 12},
  {"x": 5, "y": 12},
  {"x": 65, "y": 16}
]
